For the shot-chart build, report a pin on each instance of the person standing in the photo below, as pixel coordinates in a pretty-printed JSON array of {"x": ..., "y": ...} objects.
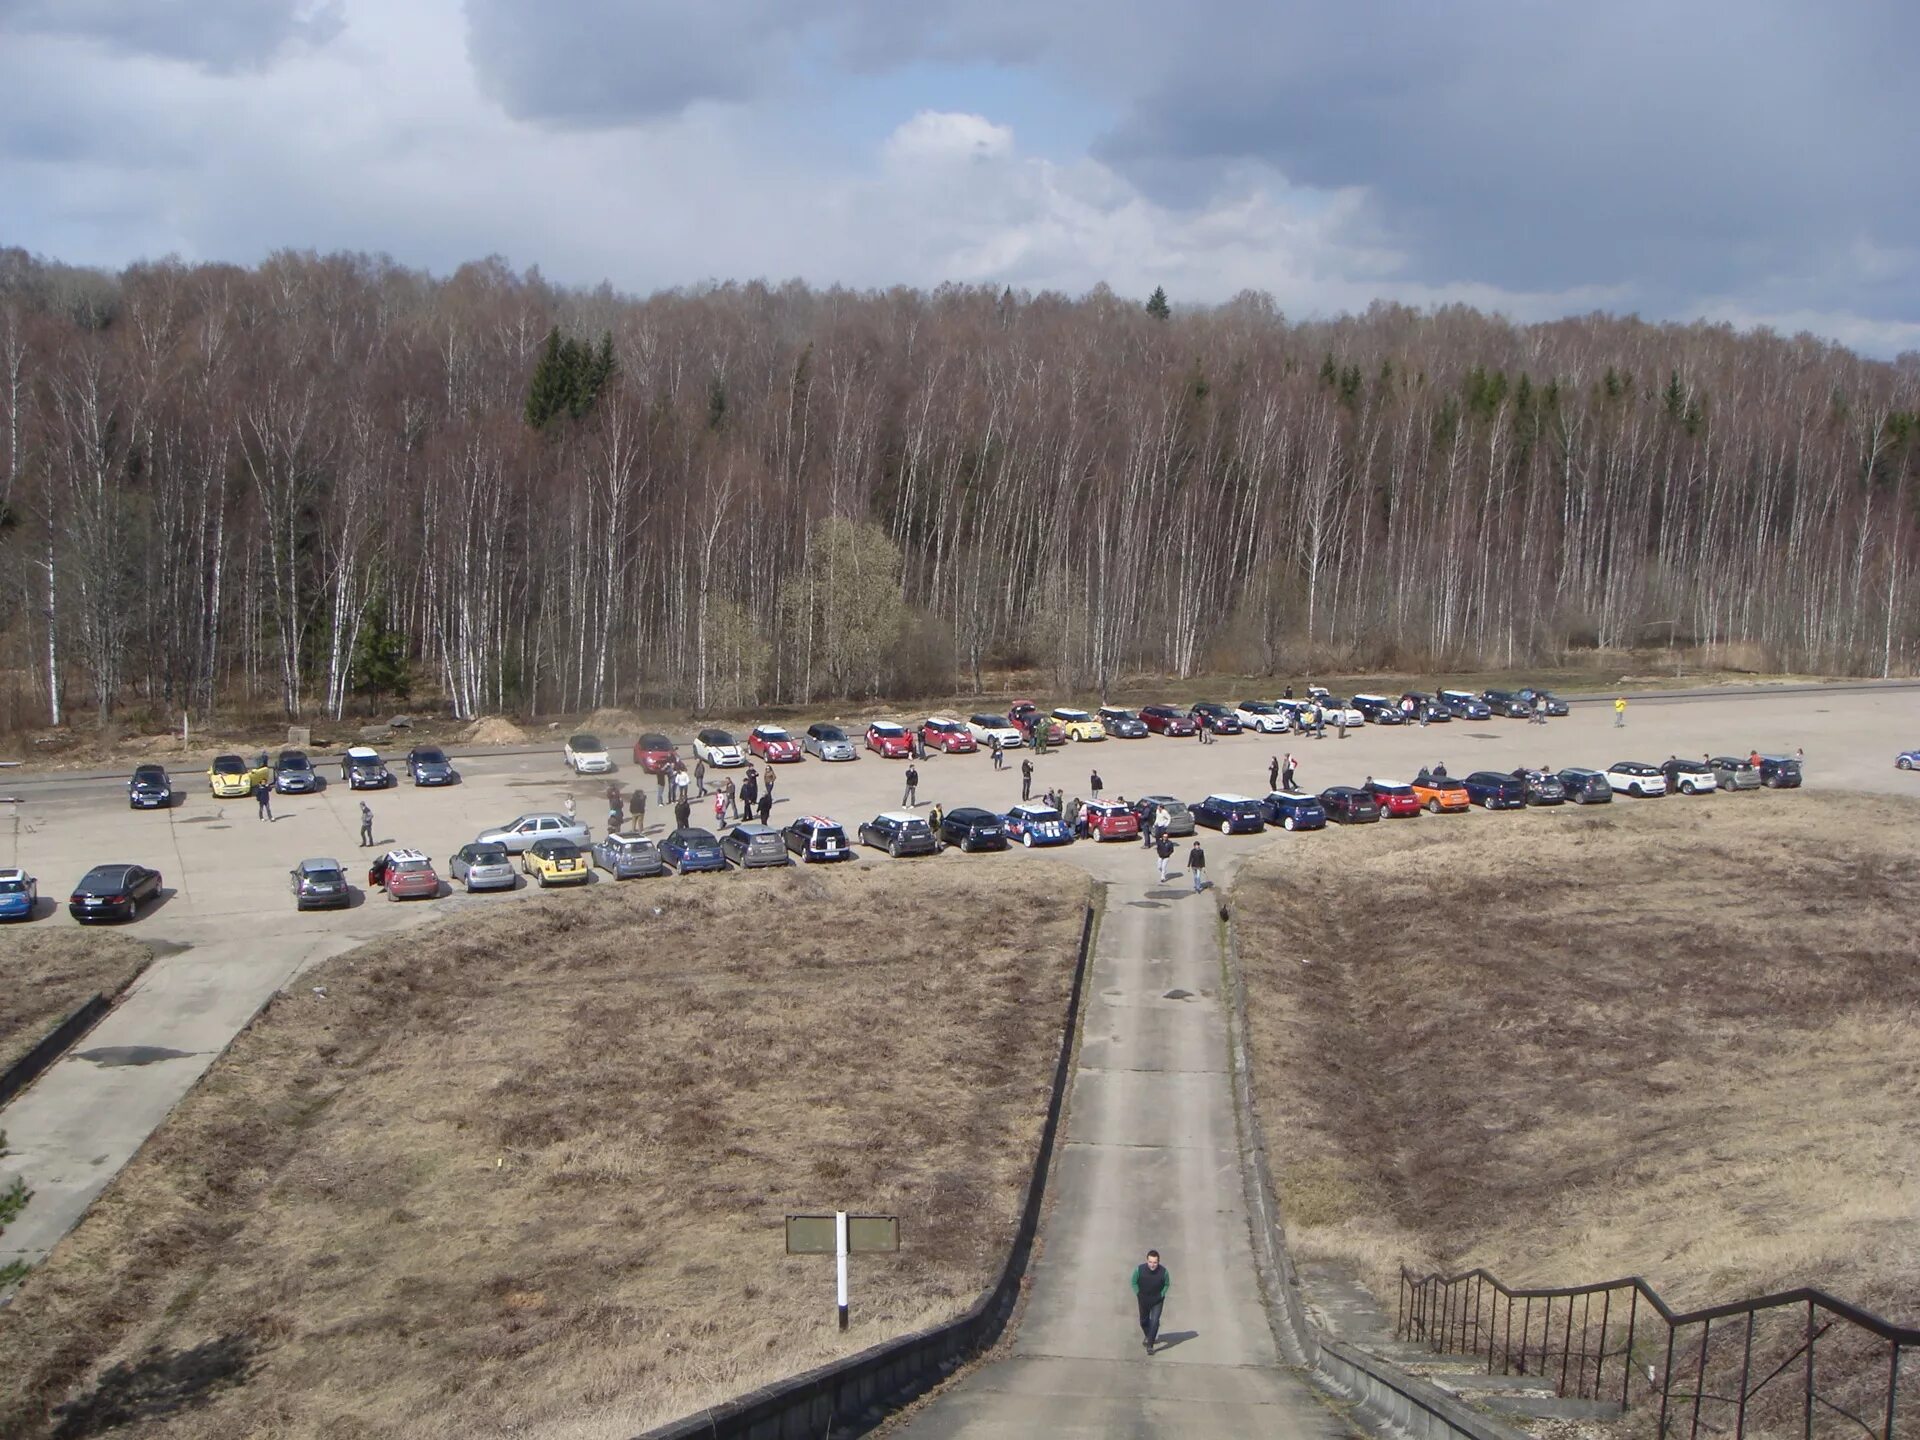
[
  {"x": 1286, "y": 771},
  {"x": 616, "y": 810},
  {"x": 263, "y": 797},
  {"x": 568, "y": 807},
  {"x": 1619, "y": 711},
  {"x": 1151, "y": 1282},
  {"x": 366, "y": 823},
  {"x": 719, "y": 807},
  {"x": 766, "y": 788},
  {"x": 1093, "y": 785},
  {"x": 766, "y": 805},
  {"x": 682, "y": 812},
  {"x": 1342, "y": 721},
  {"x": 700, "y": 773},
  {"x": 1273, "y": 773},
  {"x": 1197, "y": 863},
  {"x": 749, "y": 792},
  {"x": 1539, "y": 716},
  {"x": 913, "y": 783},
  {"x": 1163, "y": 848},
  {"x": 660, "y": 783},
  {"x": 1026, "y": 779},
  {"x": 637, "y": 804},
  {"x": 999, "y": 755}
]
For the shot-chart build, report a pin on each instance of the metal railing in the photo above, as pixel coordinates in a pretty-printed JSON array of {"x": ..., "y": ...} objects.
[{"x": 1795, "y": 1362}]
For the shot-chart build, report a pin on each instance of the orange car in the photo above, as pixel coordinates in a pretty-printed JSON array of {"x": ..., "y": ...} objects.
[{"x": 1439, "y": 792}]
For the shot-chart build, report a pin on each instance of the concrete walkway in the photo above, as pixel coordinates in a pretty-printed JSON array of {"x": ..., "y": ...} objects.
[{"x": 1150, "y": 1158}]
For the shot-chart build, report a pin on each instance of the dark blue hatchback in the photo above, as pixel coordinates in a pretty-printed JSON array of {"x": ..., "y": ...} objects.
[
  {"x": 693, "y": 849},
  {"x": 1292, "y": 811},
  {"x": 1496, "y": 791}
]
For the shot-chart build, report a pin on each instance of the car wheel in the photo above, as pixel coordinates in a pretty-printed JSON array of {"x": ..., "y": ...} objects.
[
  {"x": 1904, "y": 764},
  {"x": 1433, "y": 807},
  {"x": 1286, "y": 822},
  {"x": 1636, "y": 792},
  {"x": 1027, "y": 840},
  {"x": 893, "y": 849}
]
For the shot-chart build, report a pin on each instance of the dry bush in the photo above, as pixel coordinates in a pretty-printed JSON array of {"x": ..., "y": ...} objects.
[
  {"x": 525, "y": 1172},
  {"x": 48, "y": 974}
]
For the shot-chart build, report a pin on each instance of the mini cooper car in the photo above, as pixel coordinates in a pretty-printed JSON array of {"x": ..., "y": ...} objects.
[
  {"x": 428, "y": 765},
  {"x": 1033, "y": 823},
  {"x": 112, "y": 892},
  {"x": 1231, "y": 814},
  {"x": 1396, "y": 801},
  {"x": 1109, "y": 820},
  {"x": 1425, "y": 704},
  {"x": 773, "y": 744},
  {"x": 1633, "y": 777},
  {"x": 654, "y": 752},
  {"x": 320, "y": 885},
  {"x": 1338, "y": 710},
  {"x": 293, "y": 774},
  {"x": 231, "y": 778},
  {"x": 753, "y": 846},
  {"x": 829, "y": 742},
  {"x": 1026, "y": 718},
  {"x": 1078, "y": 724},
  {"x": 1292, "y": 810},
  {"x": 556, "y": 862},
  {"x": 817, "y": 838},
  {"x": 691, "y": 850},
  {"x": 1217, "y": 718},
  {"x": 1506, "y": 703},
  {"x": 363, "y": 769},
  {"x": 1555, "y": 705},
  {"x": 19, "y": 893},
  {"x": 483, "y": 865},
  {"x": 1179, "y": 817},
  {"x": 1261, "y": 716},
  {"x": 150, "y": 788},
  {"x": 1586, "y": 787},
  {"x": 1379, "y": 710},
  {"x": 521, "y": 831},
  {"x": 718, "y": 748},
  {"x": 986, "y": 725},
  {"x": 1543, "y": 786},
  {"x": 1907, "y": 760},
  {"x": 941, "y": 732},
  {"x": 971, "y": 828},
  {"x": 1495, "y": 790},
  {"x": 1440, "y": 793},
  {"x": 900, "y": 833},
  {"x": 1168, "y": 720},
  {"x": 1349, "y": 805},
  {"x": 1464, "y": 705},
  {"x": 888, "y": 740},
  {"x": 628, "y": 857},
  {"x": 1121, "y": 724},
  {"x": 1732, "y": 772},
  {"x": 1689, "y": 777},
  {"x": 585, "y": 755},
  {"x": 404, "y": 875},
  {"x": 1780, "y": 772}
]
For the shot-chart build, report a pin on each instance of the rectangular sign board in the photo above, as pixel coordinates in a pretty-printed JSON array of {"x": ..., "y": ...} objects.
[
  {"x": 810, "y": 1235},
  {"x": 866, "y": 1234}
]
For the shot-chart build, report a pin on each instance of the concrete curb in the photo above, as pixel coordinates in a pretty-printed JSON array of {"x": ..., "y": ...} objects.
[{"x": 57, "y": 1041}]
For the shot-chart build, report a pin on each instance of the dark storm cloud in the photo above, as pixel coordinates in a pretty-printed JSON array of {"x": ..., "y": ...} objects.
[{"x": 218, "y": 35}]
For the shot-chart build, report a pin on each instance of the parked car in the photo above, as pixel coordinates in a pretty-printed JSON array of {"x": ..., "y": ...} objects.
[
  {"x": 1633, "y": 777},
  {"x": 628, "y": 857},
  {"x": 888, "y": 740},
  {"x": 1220, "y": 719},
  {"x": 1179, "y": 817},
  {"x": 521, "y": 831},
  {"x": 654, "y": 752},
  {"x": 1292, "y": 810},
  {"x": 817, "y": 838},
  {"x": 112, "y": 892},
  {"x": 1555, "y": 705},
  {"x": 1780, "y": 772},
  {"x": 404, "y": 875},
  {"x": 942, "y": 732},
  {"x": 428, "y": 765},
  {"x": 1907, "y": 760},
  {"x": 1464, "y": 705},
  {"x": 719, "y": 749},
  {"x": 691, "y": 850},
  {"x": 151, "y": 788},
  {"x": 231, "y": 778},
  {"x": 483, "y": 865},
  {"x": 1168, "y": 720},
  {"x": 1396, "y": 801},
  {"x": 1731, "y": 772},
  {"x": 1440, "y": 793},
  {"x": 986, "y": 725},
  {"x": 753, "y": 846},
  {"x": 1026, "y": 718},
  {"x": 1543, "y": 786},
  {"x": 829, "y": 742},
  {"x": 1033, "y": 823},
  {"x": 773, "y": 745},
  {"x": 1506, "y": 703},
  {"x": 1122, "y": 724},
  {"x": 321, "y": 885},
  {"x": 19, "y": 894},
  {"x": 1689, "y": 777},
  {"x": 1349, "y": 805},
  {"x": 1379, "y": 710},
  {"x": 1108, "y": 820},
  {"x": 1495, "y": 790},
  {"x": 1231, "y": 814},
  {"x": 972, "y": 828},
  {"x": 900, "y": 833},
  {"x": 1338, "y": 710},
  {"x": 1586, "y": 787},
  {"x": 1425, "y": 704},
  {"x": 363, "y": 769},
  {"x": 556, "y": 862},
  {"x": 585, "y": 755},
  {"x": 293, "y": 774},
  {"x": 1262, "y": 717},
  {"x": 1078, "y": 724}
]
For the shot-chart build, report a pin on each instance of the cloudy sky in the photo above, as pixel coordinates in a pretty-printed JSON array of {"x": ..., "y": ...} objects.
[{"x": 1746, "y": 160}]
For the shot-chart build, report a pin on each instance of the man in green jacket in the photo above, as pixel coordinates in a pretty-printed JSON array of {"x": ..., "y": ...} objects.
[{"x": 1151, "y": 1282}]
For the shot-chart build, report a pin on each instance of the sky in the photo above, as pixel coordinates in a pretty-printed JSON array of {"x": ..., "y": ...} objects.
[{"x": 1746, "y": 162}]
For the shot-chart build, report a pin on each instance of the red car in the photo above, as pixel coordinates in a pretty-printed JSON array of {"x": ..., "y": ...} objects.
[
  {"x": 1023, "y": 715},
  {"x": 1108, "y": 820},
  {"x": 404, "y": 875},
  {"x": 940, "y": 733},
  {"x": 654, "y": 753},
  {"x": 1394, "y": 800},
  {"x": 888, "y": 740},
  {"x": 773, "y": 744},
  {"x": 1167, "y": 720}
]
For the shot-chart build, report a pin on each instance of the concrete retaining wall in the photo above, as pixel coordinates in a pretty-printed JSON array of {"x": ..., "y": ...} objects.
[{"x": 29, "y": 1067}]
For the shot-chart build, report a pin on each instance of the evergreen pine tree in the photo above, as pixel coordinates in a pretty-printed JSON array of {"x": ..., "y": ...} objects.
[{"x": 1157, "y": 305}]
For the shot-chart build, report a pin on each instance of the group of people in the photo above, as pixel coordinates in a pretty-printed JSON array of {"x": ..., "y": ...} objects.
[{"x": 674, "y": 783}]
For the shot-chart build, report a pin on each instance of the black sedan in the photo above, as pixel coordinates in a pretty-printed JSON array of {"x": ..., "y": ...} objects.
[
  {"x": 112, "y": 892},
  {"x": 1494, "y": 790},
  {"x": 1349, "y": 805},
  {"x": 149, "y": 789},
  {"x": 971, "y": 828}
]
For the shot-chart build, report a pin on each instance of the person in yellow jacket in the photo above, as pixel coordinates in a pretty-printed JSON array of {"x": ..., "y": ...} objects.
[{"x": 1619, "y": 712}]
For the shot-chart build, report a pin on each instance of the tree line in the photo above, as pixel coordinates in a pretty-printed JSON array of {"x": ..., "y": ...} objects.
[{"x": 329, "y": 475}]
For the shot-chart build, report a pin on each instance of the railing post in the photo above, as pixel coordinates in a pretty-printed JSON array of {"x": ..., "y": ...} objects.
[
  {"x": 1700, "y": 1378},
  {"x": 1626, "y": 1367},
  {"x": 1400, "y": 1319},
  {"x": 1893, "y": 1381},
  {"x": 1526, "y": 1327},
  {"x": 1493, "y": 1313},
  {"x": 1546, "y": 1337},
  {"x": 1566, "y": 1347},
  {"x": 1746, "y": 1368},
  {"x": 1506, "y": 1344},
  {"x": 1600, "y": 1356},
  {"x": 1808, "y": 1406},
  {"x": 1666, "y": 1385}
]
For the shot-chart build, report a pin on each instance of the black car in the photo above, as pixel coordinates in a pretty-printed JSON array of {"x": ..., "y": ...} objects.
[
  {"x": 972, "y": 828},
  {"x": 1122, "y": 724},
  {"x": 428, "y": 765},
  {"x": 320, "y": 884},
  {"x": 1463, "y": 705},
  {"x": 112, "y": 892},
  {"x": 1379, "y": 710},
  {"x": 1425, "y": 704},
  {"x": 899, "y": 834},
  {"x": 1349, "y": 805},
  {"x": 1230, "y": 814},
  {"x": 1555, "y": 705},
  {"x": 1293, "y": 811},
  {"x": 149, "y": 789},
  {"x": 1689, "y": 777},
  {"x": 1586, "y": 787},
  {"x": 1780, "y": 772},
  {"x": 1494, "y": 790},
  {"x": 293, "y": 774},
  {"x": 1507, "y": 703},
  {"x": 817, "y": 838},
  {"x": 1543, "y": 787},
  {"x": 1220, "y": 719}
]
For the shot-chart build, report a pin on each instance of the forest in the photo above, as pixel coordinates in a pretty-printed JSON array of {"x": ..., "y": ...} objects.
[{"x": 331, "y": 482}]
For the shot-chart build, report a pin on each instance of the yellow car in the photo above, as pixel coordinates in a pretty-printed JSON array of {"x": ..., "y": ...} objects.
[
  {"x": 231, "y": 778},
  {"x": 555, "y": 862},
  {"x": 1078, "y": 724}
]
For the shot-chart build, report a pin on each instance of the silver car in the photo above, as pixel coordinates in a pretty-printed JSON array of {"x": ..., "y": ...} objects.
[
  {"x": 483, "y": 865},
  {"x": 829, "y": 742},
  {"x": 1179, "y": 817},
  {"x": 517, "y": 834},
  {"x": 750, "y": 846}
]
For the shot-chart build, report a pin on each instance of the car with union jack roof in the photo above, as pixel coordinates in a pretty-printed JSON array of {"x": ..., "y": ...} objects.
[
  {"x": 1034, "y": 823},
  {"x": 817, "y": 839}
]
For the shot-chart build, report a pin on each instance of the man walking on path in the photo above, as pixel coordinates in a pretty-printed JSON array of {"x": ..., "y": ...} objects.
[
  {"x": 913, "y": 783},
  {"x": 1273, "y": 773},
  {"x": 1197, "y": 863},
  {"x": 1026, "y": 779},
  {"x": 1619, "y": 712},
  {"x": 1164, "y": 850},
  {"x": 263, "y": 797},
  {"x": 700, "y": 774},
  {"x": 1151, "y": 1282},
  {"x": 366, "y": 823}
]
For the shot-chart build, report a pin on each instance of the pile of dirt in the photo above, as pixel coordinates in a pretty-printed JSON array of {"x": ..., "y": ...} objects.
[
  {"x": 493, "y": 730},
  {"x": 615, "y": 723}
]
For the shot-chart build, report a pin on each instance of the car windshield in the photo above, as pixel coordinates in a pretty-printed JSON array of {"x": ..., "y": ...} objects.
[
  {"x": 150, "y": 774},
  {"x": 324, "y": 877},
  {"x": 1074, "y": 715},
  {"x": 655, "y": 742},
  {"x": 717, "y": 737},
  {"x": 13, "y": 887},
  {"x": 486, "y": 854},
  {"x": 830, "y": 835},
  {"x": 586, "y": 742},
  {"x": 1041, "y": 816},
  {"x": 418, "y": 862},
  {"x": 295, "y": 762},
  {"x": 884, "y": 729},
  {"x": 559, "y": 849},
  {"x": 230, "y": 765},
  {"x": 991, "y": 722},
  {"x": 829, "y": 732},
  {"x": 429, "y": 757},
  {"x": 697, "y": 837},
  {"x": 772, "y": 732},
  {"x": 1393, "y": 789}
]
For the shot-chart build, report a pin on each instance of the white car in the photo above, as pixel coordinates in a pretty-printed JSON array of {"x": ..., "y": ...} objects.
[
  {"x": 517, "y": 834},
  {"x": 1333, "y": 709},
  {"x": 585, "y": 755},
  {"x": 719, "y": 748},
  {"x": 985, "y": 726},
  {"x": 1632, "y": 777},
  {"x": 1262, "y": 716}
]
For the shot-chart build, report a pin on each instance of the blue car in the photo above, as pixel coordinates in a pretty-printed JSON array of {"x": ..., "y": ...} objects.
[
  {"x": 1291, "y": 810},
  {"x": 19, "y": 892},
  {"x": 1036, "y": 824},
  {"x": 1496, "y": 791},
  {"x": 1230, "y": 814},
  {"x": 693, "y": 849},
  {"x": 1907, "y": 760}
]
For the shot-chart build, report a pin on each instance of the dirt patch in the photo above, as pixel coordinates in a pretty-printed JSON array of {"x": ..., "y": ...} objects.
[
  {"x": 493, "y": 730},
  {"x": 525, "y": 1173},
  {"x": 46, "y": 975},
  {"x": 615, "y": 725}
]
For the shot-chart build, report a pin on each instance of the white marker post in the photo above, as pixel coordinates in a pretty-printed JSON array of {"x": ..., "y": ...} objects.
[{"x": 840, "y": 1260}]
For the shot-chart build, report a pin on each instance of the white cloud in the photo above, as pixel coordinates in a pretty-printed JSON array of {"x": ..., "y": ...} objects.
[{"x": 943, "y": 137}]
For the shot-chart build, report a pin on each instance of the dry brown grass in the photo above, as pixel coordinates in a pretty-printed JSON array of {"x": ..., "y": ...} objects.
[
  {"x": 1674, "y": 1039},
  {"x": 525, "y": 1173},
  {"x": 47, "y": 974}
]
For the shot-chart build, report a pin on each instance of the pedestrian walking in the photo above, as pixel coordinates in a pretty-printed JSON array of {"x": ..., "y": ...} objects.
[
  {"x": 366, "y": 823},
  {"x": 1288, "y": 766},
  {"x": 1343, "y": 722},
  {"x": 1026, "y": 779},
  {"x": 999, "y": 755},
  {"x": 1319, "y": 722},
  {"x": 1619, "y": 711},
  {"x": 749, "y": 792},
  {"x": 1539, "y": 716},
  {"x": 660, "y": 783},
  {"x": 766, "y": 788},
  {"x": 1093, "y": 785},
  {"x": 766, "y": 805},
  {"x": 616, "y": 812},
  {"x": 637, "y": 804},
  {"x": 719, "y": 807},
  {"x": 935, "y": 817},
  {"x": 1151, "y": 1282},
  {"x": 1163, "y": 849},
  {"x": 700, "y": 773},
  {"x": 1197, "y": 863},
  {"x": 682, "y": 813},
  {"x": 913, "y": 784},
  {"x": 263, "y": 797},
  {"x": 1273, "y": 773},
  {"x": 568, "y": 807}
]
